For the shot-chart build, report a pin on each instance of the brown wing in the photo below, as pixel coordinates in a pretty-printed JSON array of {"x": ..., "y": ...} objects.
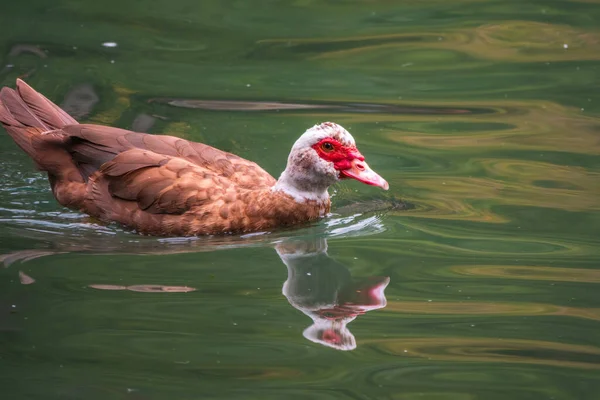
[
  {"x": 93, "y": 145},
  {"x": 159, "y": 184}
]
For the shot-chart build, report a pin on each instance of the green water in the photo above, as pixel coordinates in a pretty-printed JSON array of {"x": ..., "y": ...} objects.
[{"x": 484, "y": 117}]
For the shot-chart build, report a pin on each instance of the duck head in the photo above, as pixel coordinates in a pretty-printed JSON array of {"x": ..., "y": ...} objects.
[{"x": 322, "y": 156}]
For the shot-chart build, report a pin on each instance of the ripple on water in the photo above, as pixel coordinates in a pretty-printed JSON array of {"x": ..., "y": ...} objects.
[
  {"x": 531, "y": 272},
  {"x": 481, "y": 308},
  {"x": 145, "y": 288},
  {"x": 443, "y": 380},
  {"x": 187, "y": 348},
  {"x": 503, "y": 40},
  {"x": 494, "y": 350}
]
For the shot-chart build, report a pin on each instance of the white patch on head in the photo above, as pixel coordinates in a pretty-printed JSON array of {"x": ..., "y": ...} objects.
[
  {"x": 307, "y": 176},
  {"x": 319, "y": 132}
]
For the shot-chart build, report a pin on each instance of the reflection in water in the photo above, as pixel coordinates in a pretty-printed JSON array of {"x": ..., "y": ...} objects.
[
  {"x": 23, "y": 256},
  {"x": 25, "y": 279},
  {"x": 143, "y": 123},
  {"x": 505, "y": 350},
  {"x": 236, "y": 105},
  {"x": 18, "y": 50},
  {"x": 486, "y": 42},
  {"x": 323, "y": 289},
  {"x": 317, "y": 285},
  {"x": 532, "y": 272},
  {"x": 80, "y": 101},
  {"x": 481, "y": 308},
  {"x": 145, "y": 288}
]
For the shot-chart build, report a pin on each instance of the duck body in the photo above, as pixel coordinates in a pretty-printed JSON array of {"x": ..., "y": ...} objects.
[{"x": 167, "y": 186}]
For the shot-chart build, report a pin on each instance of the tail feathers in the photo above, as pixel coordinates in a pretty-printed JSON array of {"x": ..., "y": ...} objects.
[
  {"x": 27, "y": 116},
  {"x": 19, "y": 121},
  {"x": 46, "y": 111},
  {"x": 25, "y": 107},
  {"x": 35, "y": 124},
  {"x": 16, "y": 113},
  {"x": 6, "y": 118}
]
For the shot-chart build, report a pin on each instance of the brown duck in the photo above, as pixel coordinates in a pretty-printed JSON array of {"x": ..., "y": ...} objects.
[{"x": 167, "y": 186}]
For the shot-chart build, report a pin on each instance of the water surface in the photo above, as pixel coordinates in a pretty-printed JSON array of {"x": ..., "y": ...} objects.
[{"x": 475, "y": 277}]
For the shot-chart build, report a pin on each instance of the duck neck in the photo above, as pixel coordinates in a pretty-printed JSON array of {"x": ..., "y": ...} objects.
[{"x": 301, "y": 187}]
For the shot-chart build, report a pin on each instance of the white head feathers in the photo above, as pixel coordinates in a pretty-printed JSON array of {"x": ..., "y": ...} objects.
[
  {"x": 307, "y": 176},
  {"x": 322, "y": 131}
]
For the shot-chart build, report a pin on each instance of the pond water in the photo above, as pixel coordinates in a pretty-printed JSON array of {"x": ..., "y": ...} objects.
[{"x": 476, "y": 276}]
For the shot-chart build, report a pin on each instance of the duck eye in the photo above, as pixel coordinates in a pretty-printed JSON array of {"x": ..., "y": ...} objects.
[{"x": 327, "y": 147}]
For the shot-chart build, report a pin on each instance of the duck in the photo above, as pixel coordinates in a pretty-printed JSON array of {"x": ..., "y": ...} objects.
[{"x": 163, "y": 185}]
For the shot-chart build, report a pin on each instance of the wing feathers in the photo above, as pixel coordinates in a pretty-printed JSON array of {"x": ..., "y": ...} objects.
[
  {"x": 132, "y": 160},
  {"x": 107, "y": 142},
  {"x": 158, "y": 183}
]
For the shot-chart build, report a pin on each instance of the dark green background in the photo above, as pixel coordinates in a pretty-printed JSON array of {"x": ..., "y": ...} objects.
[{"x": 477, "y": 114}]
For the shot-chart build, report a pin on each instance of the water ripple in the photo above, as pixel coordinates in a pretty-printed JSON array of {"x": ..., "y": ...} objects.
[
  {"x": 474, "y": 308},
  {"x": 494, "y": 351}
]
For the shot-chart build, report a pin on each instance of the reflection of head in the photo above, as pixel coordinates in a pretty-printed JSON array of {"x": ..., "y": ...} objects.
[
  {"x": 323, "y": 289},
  {"x": 334, "y": 334}
]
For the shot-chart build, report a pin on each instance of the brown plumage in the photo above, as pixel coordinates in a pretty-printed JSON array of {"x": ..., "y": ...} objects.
[{"x": 161, "y": 185}]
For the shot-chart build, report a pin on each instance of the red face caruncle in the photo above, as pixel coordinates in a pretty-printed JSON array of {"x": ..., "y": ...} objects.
[
  {"x": 341, "y": 156},
  {"x": 349, "y": 162}
]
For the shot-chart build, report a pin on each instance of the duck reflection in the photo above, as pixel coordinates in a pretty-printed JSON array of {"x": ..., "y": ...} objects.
[
  {"x": 317, "y": 285},
  {"x": 324, "y": 290}
]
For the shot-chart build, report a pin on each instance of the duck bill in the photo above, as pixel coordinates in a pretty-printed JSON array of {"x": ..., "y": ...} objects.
[{"x": 361, "y": 171}]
